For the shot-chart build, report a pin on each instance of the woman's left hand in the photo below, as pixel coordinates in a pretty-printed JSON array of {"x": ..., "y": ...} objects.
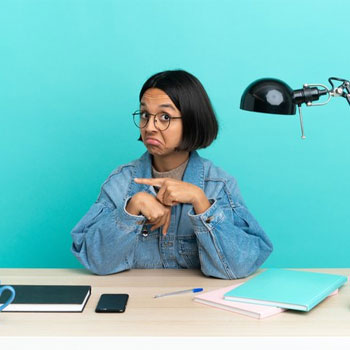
[{"x": 172, "y": 192}]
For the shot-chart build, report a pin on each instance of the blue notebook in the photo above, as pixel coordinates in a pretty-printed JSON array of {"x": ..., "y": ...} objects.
[{"x": 289, "y": 289}]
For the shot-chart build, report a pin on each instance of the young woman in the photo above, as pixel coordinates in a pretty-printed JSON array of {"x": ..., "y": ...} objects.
[{"x": 171, "y": 208}]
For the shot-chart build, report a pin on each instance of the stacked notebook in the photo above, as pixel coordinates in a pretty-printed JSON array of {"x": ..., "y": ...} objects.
[
  {"x": 273, "y": 291},
  {"x": 216, "y": 299},
  {"x": 47, "y": 298}
]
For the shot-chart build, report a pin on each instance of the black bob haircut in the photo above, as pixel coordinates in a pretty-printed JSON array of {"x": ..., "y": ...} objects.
[{"x": 200, "y": 126}]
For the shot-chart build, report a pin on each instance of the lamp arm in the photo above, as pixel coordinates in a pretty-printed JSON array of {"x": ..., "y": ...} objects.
[
  {"x": 343, "y": 90},
  {"x": 348, "y": 98},
  {"x": 347, "y": 93}
]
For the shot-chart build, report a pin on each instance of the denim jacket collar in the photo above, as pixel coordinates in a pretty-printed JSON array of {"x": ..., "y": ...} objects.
[{"x": 194, "y": 172}]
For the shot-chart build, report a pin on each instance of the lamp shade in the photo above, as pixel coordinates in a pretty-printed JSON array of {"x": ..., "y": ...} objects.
[{"x": 268, "y": 96}]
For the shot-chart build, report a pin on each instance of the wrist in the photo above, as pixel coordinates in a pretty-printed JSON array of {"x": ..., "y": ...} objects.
[
  {"x": 133, "y": 205},
  {"x": 200, "y": 203}
]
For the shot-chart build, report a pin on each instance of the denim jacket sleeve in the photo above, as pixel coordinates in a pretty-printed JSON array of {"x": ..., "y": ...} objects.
[
  {"x": 231, "y": 243},
  {"x": 104, "y": 239}
]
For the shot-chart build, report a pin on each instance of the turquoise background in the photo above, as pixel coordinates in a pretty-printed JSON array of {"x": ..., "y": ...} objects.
[{"x": 70, "y": 74}]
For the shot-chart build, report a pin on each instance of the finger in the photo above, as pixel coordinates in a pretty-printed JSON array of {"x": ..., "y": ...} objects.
[
  {"x": 160, "y": 194},
  {"x": 151, "y": 219},
  {"x": 165, "y": 198},
  {"x": 152, "y": 182},
  {"x": 167, "y": 223},
  {"x": 154, "y": 224},
  {"x": 169, "y": 199},
  {"x": 155, "y": 227},
  {"x": 160, "y": 222}
]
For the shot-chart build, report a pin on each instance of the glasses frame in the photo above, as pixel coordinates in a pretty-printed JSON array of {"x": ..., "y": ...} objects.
[{"x": 137, "y": 114}]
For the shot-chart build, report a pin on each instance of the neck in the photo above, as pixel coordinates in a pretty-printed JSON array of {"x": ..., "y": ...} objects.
[{"x": 169, "y": 162}]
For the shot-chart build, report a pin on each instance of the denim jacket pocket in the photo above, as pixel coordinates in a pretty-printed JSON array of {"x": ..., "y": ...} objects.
[
  {"x": 188, "y": 251},
  {"x": 147, "y": 251},
  {"x": 241, "y": 216}
]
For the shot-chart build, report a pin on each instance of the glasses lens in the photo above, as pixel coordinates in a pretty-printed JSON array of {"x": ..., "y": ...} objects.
[
  {"x": 162, "y": 121},
  {"x": 140, "y": 120}
]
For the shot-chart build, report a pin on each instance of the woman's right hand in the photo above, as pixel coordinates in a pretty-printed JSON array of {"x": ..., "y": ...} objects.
[{"x": 156, "y": 213}]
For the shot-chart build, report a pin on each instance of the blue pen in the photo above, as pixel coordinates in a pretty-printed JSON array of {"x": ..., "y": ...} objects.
[{"x": 193, "y": 290}]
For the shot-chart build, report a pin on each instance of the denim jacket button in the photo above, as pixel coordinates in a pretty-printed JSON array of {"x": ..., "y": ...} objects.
[
  {"x": 209, "y": 219},
  {"x": 144, "y": 231}
]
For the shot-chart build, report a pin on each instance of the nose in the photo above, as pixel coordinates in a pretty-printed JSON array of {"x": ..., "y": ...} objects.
[{"x": 150, "y": 125}]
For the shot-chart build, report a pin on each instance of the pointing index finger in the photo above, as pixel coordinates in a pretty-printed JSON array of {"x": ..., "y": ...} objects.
[{"x": 151, "y": 182}]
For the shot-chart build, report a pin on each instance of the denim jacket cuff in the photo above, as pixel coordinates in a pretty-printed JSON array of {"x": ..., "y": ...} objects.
[
  {"x": 207, "y": 220},
  {"x": 132, "y": 221}
]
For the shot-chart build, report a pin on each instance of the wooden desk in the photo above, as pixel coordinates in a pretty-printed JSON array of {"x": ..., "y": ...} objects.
[{"x": 168, "y": 316}]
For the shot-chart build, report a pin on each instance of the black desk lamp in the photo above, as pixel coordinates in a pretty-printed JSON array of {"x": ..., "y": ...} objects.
[{"x": 276, "y": 97}]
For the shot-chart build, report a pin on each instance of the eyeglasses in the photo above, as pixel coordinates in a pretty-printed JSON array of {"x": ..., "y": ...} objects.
[{"x": 161, "y": 120}]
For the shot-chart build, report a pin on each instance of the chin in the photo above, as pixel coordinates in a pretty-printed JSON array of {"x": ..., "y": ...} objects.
[{"x": 153, "y": 150}]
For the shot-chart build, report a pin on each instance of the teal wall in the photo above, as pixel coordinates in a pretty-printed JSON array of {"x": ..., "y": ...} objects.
[{"x": 70, "y": 73}]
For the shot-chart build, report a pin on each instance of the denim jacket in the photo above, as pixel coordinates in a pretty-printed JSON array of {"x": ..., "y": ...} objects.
[{"x": 225, "y": 241}]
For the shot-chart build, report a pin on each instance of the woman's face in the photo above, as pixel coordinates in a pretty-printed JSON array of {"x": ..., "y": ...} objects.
[{"x": 160, "y": 143}]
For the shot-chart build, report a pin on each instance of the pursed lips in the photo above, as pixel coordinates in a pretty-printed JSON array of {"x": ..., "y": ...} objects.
[{"x": 152, "y": 141}]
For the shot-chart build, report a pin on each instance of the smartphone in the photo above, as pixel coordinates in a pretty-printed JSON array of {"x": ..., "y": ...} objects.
[{"x": 112, "y": 303}]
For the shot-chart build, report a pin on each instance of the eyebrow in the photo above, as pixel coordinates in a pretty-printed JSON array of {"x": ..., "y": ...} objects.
[{"x": 166, "y": 105}]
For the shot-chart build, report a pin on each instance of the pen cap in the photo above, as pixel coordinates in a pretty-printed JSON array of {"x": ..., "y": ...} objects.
[{"x": 196, "y": 290}]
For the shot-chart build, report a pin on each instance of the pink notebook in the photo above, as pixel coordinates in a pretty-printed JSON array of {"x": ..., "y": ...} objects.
[{"x": 215, "y": 299}]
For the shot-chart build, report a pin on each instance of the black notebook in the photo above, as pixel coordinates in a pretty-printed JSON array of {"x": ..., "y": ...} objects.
[{"x": 49, "y": 298}]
